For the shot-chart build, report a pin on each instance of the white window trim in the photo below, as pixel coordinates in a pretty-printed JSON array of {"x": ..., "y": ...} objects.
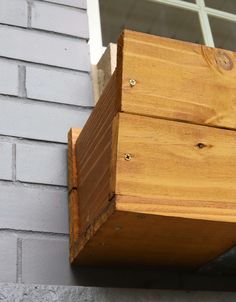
[
  {"x": 95, "y": 32},
  {"x": 95, "y": 41}
]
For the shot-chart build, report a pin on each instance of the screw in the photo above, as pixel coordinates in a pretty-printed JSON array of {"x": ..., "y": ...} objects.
[
  {"x": 132, "y": 82},
  {"x": 128, "y": 156}
]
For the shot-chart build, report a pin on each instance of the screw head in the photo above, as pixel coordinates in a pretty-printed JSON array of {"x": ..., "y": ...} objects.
[
  {"x": 128, "y": 156},
  {"x": 132, "y": 82}
]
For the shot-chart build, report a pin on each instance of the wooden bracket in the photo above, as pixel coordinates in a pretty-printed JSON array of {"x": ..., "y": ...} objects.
[
  {"x": 153, "y": 179},
  {"x": 72, "y": 189}
]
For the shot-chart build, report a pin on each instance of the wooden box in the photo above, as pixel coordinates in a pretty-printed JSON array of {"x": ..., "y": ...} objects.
[{"x": 152, "y": 175}]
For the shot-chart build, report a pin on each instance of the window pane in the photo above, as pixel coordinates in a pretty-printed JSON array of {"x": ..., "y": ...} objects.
[
  {"x": 224, "y": 33},
  {"x": 149, "y": 17},
  {"x": 225, "y": 5}
]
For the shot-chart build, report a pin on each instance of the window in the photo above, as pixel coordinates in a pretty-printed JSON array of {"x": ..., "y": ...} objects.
[{"x": 210, "y": 22}]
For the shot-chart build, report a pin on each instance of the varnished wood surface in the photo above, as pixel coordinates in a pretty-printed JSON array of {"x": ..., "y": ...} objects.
[
  {"x": 132, "y": 239},
  {"x": 73, "y": 223},
  {"x": 177, "y": 80},
  {"x": 94, "y": 155},
  {"x": 172, "y": 203},
  {"x": 177, "y": 169},
  {"x": 73, "y": 134}
]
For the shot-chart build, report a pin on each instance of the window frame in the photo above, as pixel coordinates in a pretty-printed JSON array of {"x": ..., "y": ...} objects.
[{"x": 203, "y": 11}]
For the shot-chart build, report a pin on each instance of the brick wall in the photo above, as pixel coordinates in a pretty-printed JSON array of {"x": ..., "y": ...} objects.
[{"x": 45, "y": 89}]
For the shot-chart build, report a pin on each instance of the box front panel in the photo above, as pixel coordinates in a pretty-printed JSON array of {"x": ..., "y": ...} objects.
[
  {"x": 176, "y": 169},
  {"x": 177, "y": 80}
]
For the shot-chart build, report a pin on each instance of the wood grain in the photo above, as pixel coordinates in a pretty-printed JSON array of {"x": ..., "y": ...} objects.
[
  {"x": 73, "y": 223},
  {"x": 177, "y": 169},
  {"x": 104, "y": 69},
  {"x": 173, "y": 203},
  {"x": 73, "y": 134},
  {"x": 94, "y": 159},
  {"x": 131, "y": 239},
  {"x": 177, "y": 80}
]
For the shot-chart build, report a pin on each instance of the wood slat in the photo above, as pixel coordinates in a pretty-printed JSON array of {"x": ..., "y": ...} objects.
[
  {"x": 131, "y": 239},
  {"x": 73, "y": 223},
  {"x": 73, "y": 135},
  {"x": 94, "y": 160},
  {"x": 177, "y": 169},
  {"x": 177, "y": 80}
]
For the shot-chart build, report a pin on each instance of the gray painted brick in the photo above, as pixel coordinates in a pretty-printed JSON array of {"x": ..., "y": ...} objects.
[
  {"x": 61, "y": 19},
  {"x": 44, "y": 48},
  {"x": 8, "y": 246},
  {"x": 5, "y": 161},
  {"x": 33, "y": 209},
  {"x": 8, "y": 78},
  {"x": 46, "y": 261},
  {"x": 13, "y": 12},
  {"x": 39, "y": 120},
  {"x": 41, "y": 164},
  {"x": 75, "y": 3},
  {"x": 59, "y": 86}
]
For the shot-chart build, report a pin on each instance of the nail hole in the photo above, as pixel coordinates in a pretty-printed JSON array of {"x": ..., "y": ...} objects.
[{"x": 201, "y": 145}]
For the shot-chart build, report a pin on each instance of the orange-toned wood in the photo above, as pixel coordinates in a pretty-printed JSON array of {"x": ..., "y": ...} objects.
[
  {"x": 176, "y": 169},
  {"x": 155, "y": 173},
  {"x": 94, "y": 158},
  {"x": 131, "y": 239},
  {"x": 177, "y": 80},
  {"x": 73, "y": 223},
  {"x": 73, "y": 134}
]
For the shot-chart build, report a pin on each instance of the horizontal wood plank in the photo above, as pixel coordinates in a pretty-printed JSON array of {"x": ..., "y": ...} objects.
[
  {"x": 177, "y": 80},
  {"x": 131, "y": 239},
  {"x": 176, "y": 169}
]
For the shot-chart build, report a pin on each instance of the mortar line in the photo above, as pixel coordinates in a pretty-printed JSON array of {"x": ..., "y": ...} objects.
[
  {"x": 29, "y": 13},
  {"x": 63, "y": 5},
  {"x": 34, "y": 234},
  {"x": 18, "y": 139},
  {"x": 21, "y": 81},
  {"x": 30, "y": 101},
  {"x": 45, "y": 66},
  {"x": 19, "y": 261},
  {"x": 14, "y": 162},
  {"x": 47, "y": 32},
  {"x": 20, "y": 184}
]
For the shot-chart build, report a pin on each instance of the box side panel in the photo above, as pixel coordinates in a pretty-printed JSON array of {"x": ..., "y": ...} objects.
[
  {"x": 94, "y": 161},
  {"x": 176, "y": 169},
  {"x": 72, "y": 169},
  {"x": 177, "y": 80},
  {"x": 72, "y": 191}
]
